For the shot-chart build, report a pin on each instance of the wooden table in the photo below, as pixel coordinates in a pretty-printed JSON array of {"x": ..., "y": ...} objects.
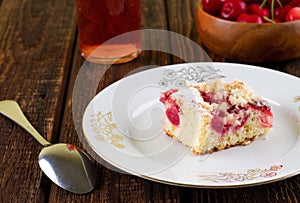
[{"x": 39, "y": 61}]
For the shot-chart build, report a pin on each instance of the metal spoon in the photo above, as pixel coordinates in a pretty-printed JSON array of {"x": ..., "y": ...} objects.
[{"x": 66, "y": 165}]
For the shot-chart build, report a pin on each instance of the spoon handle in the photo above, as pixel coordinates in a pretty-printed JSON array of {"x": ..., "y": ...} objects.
[{"x": 12, "y": 110}]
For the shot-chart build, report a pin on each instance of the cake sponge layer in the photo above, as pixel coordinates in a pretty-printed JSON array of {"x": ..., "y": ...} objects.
[{"x": 216, "y": 115}]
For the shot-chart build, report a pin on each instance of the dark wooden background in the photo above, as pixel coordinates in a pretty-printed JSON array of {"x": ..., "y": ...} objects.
[{"x": 39, "y": 62}]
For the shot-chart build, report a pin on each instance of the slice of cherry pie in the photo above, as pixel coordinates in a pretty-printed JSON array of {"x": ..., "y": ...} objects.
[{"x": 215, "y": 115}]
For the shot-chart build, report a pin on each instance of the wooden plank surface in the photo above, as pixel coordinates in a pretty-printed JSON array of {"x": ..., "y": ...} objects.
[
  {"x": 36, "y": 45},
  {"x": 112, "y": 186},
  {"x": 39, "y": 63}
]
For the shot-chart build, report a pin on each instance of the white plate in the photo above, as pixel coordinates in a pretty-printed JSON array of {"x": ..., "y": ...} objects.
[{"x": 122, "y": 124}]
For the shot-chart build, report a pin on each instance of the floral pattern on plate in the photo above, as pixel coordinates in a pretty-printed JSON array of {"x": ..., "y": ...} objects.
[
  {"x": 104, "y": 127},
  {"x": 250, "y": 174},
  {"x": 192, "y": 73},
  {"x": 297, "y": 99}
]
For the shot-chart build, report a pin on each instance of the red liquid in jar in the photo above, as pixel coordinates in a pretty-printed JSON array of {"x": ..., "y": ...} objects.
[{"x": 102, "y": 20}]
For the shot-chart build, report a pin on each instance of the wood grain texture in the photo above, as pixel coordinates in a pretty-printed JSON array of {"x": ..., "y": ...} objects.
[
  {"x": 35, "y": 50},
  {"x": 38, "y": 54},
  {"x": 113, "y": 186},
  {"x": 181, "y": 20}
]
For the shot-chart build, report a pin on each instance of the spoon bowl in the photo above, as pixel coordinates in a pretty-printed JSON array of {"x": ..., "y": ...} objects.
[{"x": 66, "y": 165}]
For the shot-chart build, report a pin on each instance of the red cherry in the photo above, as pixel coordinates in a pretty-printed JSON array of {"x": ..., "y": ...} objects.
[
  {"x": 217, "y": 122},
  {"x": 266, "y": 119},
  {"x": 257, "y": 10},
  {"x": 280, "y": 13},
  {"x": 293, "y": 14},
  {"x": 248, "y": 18},
  {"x": 232, "y": 9},
  {"x": 265, "y": 115},
  {"x": 207, "y": 97},
  {"x": 295, "y": 3},
  {"x": 212, "y": 6},
  {"x": 248, "y": 2},
  {"x": 173, "y": 115},
  {"x": 165, "y": 96}
]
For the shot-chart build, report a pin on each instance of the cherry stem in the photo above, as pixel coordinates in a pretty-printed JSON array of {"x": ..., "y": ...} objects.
[
  {"x": 264, "y": 3},
  {"x": 272, "y": 9},
  {"x": 279, "y": 3},
  {"x": 272, "y": 6},
  {"x": 268, "y": 19}
]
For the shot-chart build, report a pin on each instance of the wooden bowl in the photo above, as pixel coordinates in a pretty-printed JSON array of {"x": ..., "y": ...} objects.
[{"x": 249, "y": 42}]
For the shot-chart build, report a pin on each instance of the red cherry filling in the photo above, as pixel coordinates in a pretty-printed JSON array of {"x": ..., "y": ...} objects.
[
  {"x": 221, "y": 125},
  {"x": 266, "y": 116},
  {"x": 206, "y": 97},
  {"x": 172, "y": 109},
  {"x": 165, "y": 96},
  {"x": 218, "y": 122},
  {"x": 173, "y": 115},
  {"x": 212, "y": 98}
]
